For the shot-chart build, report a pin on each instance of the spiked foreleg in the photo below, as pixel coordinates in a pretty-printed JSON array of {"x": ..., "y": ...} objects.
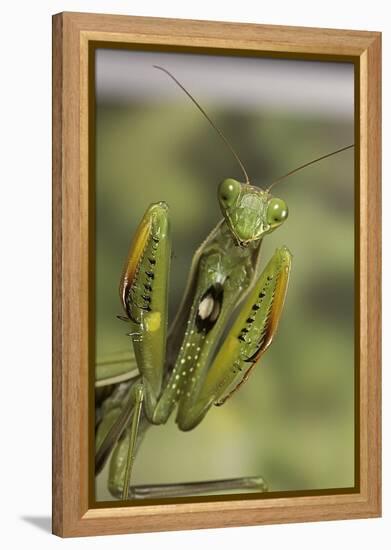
[
  {"x": 144, "y": 296},
  {"x": 249, "y": 337},
  {"x": 219, "y": 287}
]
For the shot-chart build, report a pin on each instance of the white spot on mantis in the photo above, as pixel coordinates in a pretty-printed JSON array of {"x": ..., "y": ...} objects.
[
  {"x": 188, "y": 344},
  {"x": 206, "y": 307},
  {"x": 177, "y": 377},
  {"x": 189, "y": 357},
  {"x": 183, "y": 361},
  {"x": 173, "y": 386}
]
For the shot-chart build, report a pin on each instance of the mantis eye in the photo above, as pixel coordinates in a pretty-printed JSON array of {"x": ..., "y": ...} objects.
[
  {"x": 228, "y": 192},
  {"x": 277, "y": 212}
]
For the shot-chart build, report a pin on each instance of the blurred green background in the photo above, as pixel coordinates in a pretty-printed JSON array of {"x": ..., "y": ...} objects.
[{"x": 293, "y": 421}]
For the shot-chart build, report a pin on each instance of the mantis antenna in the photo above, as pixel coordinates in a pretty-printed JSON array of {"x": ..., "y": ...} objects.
[
  {"x": 208, "y": 119},
  {"x": 227, "y": 143},
  {"x": 308, "y": 164}
]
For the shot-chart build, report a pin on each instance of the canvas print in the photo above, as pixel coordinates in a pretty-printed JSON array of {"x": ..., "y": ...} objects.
[{"x": 224, "y": 275}]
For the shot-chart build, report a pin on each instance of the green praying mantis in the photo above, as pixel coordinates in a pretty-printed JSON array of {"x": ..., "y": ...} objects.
[{"x": 226, "y": 321}]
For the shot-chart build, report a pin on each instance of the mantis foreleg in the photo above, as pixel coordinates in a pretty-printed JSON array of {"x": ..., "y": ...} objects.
[
  {"x": 249, "y": 337},
  {"x": 144, "y": 296}
]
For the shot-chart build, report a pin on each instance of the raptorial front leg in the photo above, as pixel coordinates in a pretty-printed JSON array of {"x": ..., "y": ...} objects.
[
  {"x": 144, "y": 296},
  {"x": 250, "y": 336}
]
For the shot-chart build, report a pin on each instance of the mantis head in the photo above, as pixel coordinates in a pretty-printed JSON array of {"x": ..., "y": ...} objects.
[{"x": 250, "y": 212}]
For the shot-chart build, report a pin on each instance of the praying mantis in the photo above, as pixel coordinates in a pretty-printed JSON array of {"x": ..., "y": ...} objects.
[{"x": 197, "y": 362}]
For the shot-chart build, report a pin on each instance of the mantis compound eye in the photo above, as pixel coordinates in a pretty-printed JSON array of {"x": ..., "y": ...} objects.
[
  {"x": 229, "y": 190},
  {"x": 277, "y": 212}
]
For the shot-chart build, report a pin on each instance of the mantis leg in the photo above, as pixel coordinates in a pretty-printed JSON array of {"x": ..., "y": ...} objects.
[
  {"x": 167, "y": 490},
  {"x": 250, "y": 336},
  {"x": 122, "y": 459},
  {"x": 115, "y": 368},
  {"x": 138, "y": 397},
  {"x": 119, "y": 410},
  {"x": 144, "y": 296}
]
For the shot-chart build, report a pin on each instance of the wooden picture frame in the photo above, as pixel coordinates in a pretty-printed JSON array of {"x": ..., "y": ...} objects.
[{"x": 73, "y": 35}]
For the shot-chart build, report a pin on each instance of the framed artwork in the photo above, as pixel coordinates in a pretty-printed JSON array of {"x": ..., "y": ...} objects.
[{"x": 216, "y": 274}]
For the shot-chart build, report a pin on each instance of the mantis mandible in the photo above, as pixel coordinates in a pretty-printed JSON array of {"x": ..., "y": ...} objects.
[{"x": 188, "y": 367}]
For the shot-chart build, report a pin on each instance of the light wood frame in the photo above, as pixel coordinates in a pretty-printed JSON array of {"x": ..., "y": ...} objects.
[{"x": 72, "y": 33}]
